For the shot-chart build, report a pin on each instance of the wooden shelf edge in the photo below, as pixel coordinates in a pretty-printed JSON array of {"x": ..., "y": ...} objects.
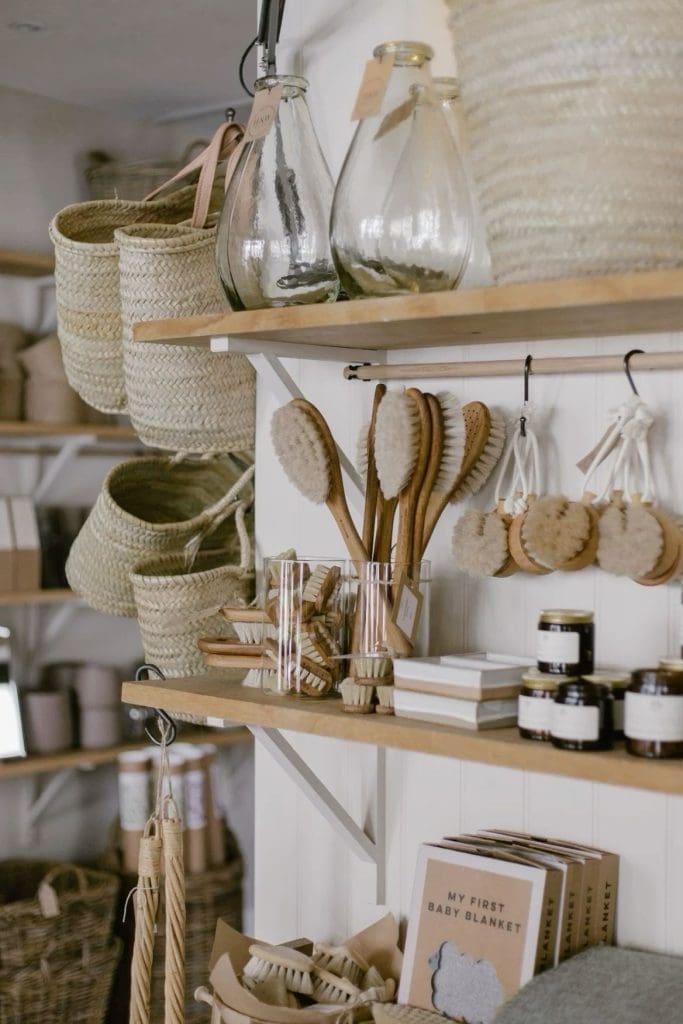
[
  {"x": 56, "y": 596},
  {"x": 223, "y": 697},
  {"x": 39, "y": 764},
  {"x": 572, "y": 307},
  {"x": 102, "y": 431},
  {"x": 19, "y": 263}
]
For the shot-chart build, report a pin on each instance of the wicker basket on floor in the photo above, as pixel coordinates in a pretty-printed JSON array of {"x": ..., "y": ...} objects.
[{"x": 57, "y": 958}]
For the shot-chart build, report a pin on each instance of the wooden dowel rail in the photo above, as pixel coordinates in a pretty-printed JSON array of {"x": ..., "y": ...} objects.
[{"x": 512, "y": 367}]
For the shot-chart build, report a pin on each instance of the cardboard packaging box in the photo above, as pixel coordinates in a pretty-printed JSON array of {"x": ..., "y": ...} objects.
[
  {"x": 6, "y": 547},
  {"x": 27, "y": 554}
]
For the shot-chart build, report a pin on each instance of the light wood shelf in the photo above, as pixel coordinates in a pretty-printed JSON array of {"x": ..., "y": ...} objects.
[
  {"x": 39, "y": 764},
  {"x": 102, "y": 431},
  {"x": 224, "y": 697},
  {"x": 636, "y": 303},
  {"x": 51, "y": 596},
  {"x": 26, "y": 264}
]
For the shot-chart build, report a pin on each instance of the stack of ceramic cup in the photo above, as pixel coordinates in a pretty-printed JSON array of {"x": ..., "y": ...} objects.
[{"x": 98, "y": 692}]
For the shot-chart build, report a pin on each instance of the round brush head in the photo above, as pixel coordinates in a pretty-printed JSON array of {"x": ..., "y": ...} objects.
[
  {"x": 302, "y": 452},
  {"x": 480, "y": 543},
  {"x": 555, "y": 530},
  {"x": 631, "y": 541}
]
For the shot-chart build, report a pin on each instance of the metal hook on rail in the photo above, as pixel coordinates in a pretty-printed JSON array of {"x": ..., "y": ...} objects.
[
  {"x": 527, "y": 374},
  {"x": 165, "y": 724},
  {"x": 627, "y": 368}
]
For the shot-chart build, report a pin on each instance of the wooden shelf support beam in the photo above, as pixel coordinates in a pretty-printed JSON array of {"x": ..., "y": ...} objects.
[{"x": 372, "y": 851}]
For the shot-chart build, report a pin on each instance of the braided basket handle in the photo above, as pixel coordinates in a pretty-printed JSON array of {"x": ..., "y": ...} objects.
[
  {"x": 226, "y": 140},
  {"x": 47, "y": 894}
]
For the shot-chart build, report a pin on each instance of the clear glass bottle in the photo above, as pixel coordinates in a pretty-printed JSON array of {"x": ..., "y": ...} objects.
[
  {"x": 478, "y": 272},
  {"x": 401, "y": 217},
  {"x": 273, "y": 236}
]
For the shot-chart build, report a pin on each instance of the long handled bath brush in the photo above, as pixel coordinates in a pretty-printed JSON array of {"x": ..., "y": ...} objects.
[
  {"x": 410, "y": 495},
  {"x": 450, "y": 466},
  {"x": 397, "y": 438},
  {"x": 431, "y": 475}
]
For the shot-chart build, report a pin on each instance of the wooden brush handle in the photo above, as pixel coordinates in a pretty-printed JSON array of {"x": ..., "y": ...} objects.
[
  {"x": 371, "y": 481},
  {"x": 408, "y": 498},
  {"x": 430, "y": 477},
  {"x": 386, "y": 512}
]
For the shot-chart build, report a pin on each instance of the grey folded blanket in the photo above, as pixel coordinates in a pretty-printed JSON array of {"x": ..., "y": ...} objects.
[{"x": 604, "y": 985}]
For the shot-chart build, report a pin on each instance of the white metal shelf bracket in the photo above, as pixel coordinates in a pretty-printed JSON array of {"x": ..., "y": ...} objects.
[{"x": 372, "y": 851}]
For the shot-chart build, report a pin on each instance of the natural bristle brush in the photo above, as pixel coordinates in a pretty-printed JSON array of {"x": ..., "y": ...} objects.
[
  {"x": 252, "y": 625},
  {"x": 281, "y": 962},
  {"x": 396, "y": 443},
  {"x": 329, "y": 988},
  {"x": 452, "y": 455},
  {"x": 340, "y": 960},
  {"x": 434, "y": 460},
  {"x": 368, "y": 471},
  {"x": 484, "y": 444},
  {"x": 308, "y": 454},
  {"x": 410, "y": 495}
]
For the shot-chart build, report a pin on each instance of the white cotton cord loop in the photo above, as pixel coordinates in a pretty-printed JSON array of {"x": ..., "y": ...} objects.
[{"x": 619, "y": 417}]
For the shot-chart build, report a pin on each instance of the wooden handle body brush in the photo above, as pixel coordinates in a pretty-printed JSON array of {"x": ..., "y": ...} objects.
[
  {"x": 430, "y": 477},
  {"x": 410, "y": 495},
  {"x": 371, "y": 481}
]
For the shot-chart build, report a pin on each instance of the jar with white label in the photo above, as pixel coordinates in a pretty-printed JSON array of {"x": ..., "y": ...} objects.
[
  {"x": 583, "y": 716},
  {"x": 535, "y": 704},
  {"x": 653, "y": 722},
  {"x": 564, "y": 642},
  {"x": 618, "y": 682}
]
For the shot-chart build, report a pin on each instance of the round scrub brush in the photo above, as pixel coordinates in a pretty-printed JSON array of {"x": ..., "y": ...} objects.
[
  {"x": 561, "y": 534},
  {"x": 480, "y": 544}
]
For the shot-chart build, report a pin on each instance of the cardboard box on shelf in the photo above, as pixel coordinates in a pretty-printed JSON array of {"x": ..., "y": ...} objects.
[{"x": 27, "y": 554}]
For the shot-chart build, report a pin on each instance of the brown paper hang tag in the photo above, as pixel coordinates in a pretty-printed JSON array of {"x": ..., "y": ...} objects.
[
  {"x": 396, "y": 116},
  {"x": 407, "y": 608},
  {"x": 263, "y": 113},
  {"x": 372, "y": 87}
]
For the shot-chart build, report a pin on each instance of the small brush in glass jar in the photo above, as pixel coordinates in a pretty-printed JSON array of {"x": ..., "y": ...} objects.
[
  {"x": 653, "y": 714},
  {"x": 583, "y": 716},
  {"x": 535, "y": 704},
  {"x": 565, "y": 642}
]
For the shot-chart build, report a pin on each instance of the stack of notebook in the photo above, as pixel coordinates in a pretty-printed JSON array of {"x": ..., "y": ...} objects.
[
  {"x": 493, "y": 909},
  {"x": 473, "y": 691}
]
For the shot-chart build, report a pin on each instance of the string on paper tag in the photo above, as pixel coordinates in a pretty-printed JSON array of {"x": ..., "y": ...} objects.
[
  {"x": 372, "y": 87},
  {"x": 263, "y": 113},
  {"x": 407, "y": 608},
  {"x": 48, "y": 900}
]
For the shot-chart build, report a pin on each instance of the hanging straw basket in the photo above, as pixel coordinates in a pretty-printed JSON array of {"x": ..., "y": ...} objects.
[
  {"x": 87, "y": 285},
  {"x": 180, "y": 397},
  {"x": 575, "y": 114},
  {"x": 149, "y": 507},
  {"x": 177, "y": 605}
]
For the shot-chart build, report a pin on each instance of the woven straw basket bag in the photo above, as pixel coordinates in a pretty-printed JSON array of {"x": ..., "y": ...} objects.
[
  {"x": 87, "y": 286},
  {"x": 177, "y": 605},
  {"x": 180, "y": 397},
  {"x": 147, "y": 507},
  {"x": 575, "y": 116}
]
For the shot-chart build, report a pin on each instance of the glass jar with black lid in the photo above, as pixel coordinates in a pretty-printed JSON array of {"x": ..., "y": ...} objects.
[
  {"x": 583, "y": 716},
  {"x": 535, "y": 704},
  {"x": 653, "y": 723},
  {"x": 565, "y": 642}
]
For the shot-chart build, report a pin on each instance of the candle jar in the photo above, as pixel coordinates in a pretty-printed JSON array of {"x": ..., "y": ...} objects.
[
  {"x": 304, "y": 600},
  {"x": 653, "y": 722},
  {"x": 618, "y": 683},
  {"x": 583, "y": 716},
  {"x": 535, "y": 704},
  {"x": 565, "y": 641}
]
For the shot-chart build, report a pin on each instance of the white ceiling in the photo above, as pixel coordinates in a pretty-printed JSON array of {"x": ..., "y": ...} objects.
[{"x": 137, "y": 58}]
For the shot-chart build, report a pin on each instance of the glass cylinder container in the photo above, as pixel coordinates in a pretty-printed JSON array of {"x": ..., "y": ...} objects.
[
  {"x": 565, "y": 642},
  {"x": 583, "y": 716},
  {"x": 273, "y": 244},
  {"x": 653, "y": 719},
  {"x": 478, "y": 272},
  {"x": 618, "y": 683},
  {"x": 401, "y": 216},
  {"x": 304, "y": 599}
]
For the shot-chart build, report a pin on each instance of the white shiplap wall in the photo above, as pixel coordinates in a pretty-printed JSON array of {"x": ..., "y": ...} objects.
[{"x": 306, "y": 882}]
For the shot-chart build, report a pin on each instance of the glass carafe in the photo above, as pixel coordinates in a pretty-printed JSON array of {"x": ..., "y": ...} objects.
[
  {"x": 478, "y": 270},
  {"x": 273, "y": 238},
  {"x": 401, "y": 219}
]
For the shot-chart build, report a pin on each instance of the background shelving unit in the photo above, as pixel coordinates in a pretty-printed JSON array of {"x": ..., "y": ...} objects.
[{"x": 18, "y": 263}]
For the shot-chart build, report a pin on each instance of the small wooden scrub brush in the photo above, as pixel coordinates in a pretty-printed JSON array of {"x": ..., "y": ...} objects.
[
  {"x": 340, "y": 960},
  {"x": 356, "y": 698},
  {"x": 385, "y": 700},
  {"x": 252, "y": 625},
  {"x": 281, "y": 962},
  {"x": 330, "y": 988}
]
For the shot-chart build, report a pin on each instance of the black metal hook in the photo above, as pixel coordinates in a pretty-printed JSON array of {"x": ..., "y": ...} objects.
[
  {"x": 167, "y": 727},
  {"x": 527, "y": 374},
  {"x": 627, "y": 368}
]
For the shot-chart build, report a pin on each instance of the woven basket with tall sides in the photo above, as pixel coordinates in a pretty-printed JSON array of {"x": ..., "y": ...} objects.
[
  {"x": 148, "y": 507},
  {"x": 575, "y": 116}
]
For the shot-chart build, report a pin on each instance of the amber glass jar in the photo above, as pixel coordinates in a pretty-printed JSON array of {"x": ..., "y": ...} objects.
[
  {"x": 565, "y": 642},
  {"x": 618, "y": 682},
  {"x": 535, "y": 705},
  {"x": 653, "y": 722},
  {"x": 583, "y": 716}
]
